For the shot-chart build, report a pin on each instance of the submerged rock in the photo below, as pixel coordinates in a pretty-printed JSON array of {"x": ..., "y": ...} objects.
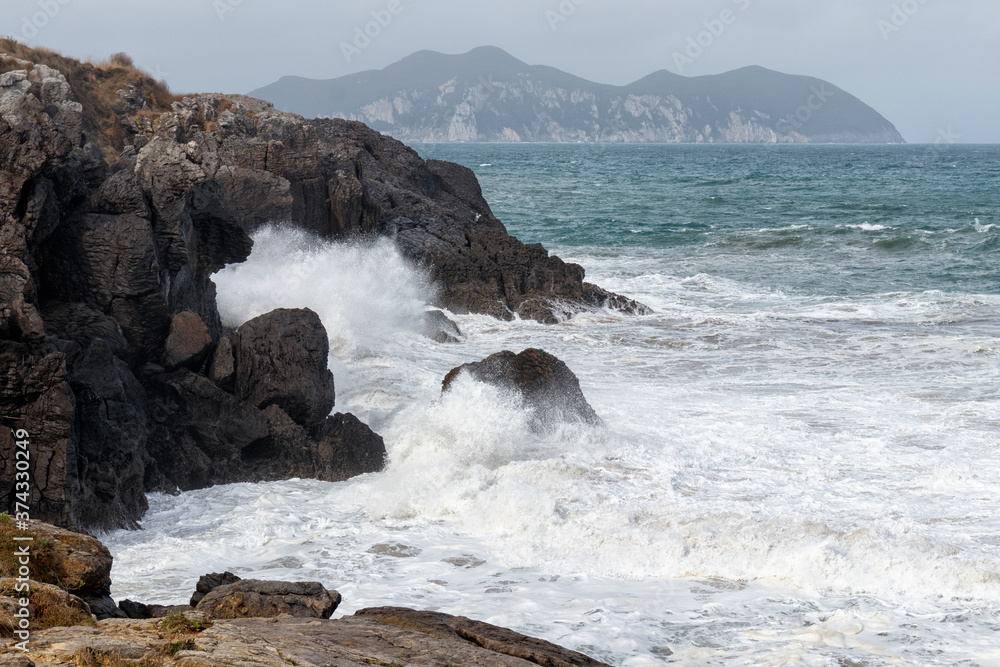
[{"x": 543, "y": 382}]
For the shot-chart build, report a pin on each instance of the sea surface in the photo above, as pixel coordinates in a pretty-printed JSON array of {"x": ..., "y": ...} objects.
[{"x": 800, "y": 462}]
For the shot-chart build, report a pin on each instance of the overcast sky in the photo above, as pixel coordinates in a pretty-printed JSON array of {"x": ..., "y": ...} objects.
[{"x": 931, "y": 66}]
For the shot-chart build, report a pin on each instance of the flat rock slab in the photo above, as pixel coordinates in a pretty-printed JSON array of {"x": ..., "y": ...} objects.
[{"x": 383, "y": 636}]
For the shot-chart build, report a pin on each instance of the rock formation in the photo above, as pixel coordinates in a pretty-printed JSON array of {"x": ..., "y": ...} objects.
[
  {"x": 116, "y": 209},
  {"x": 239, "y": 623},
  {"x": 250, "y": 598},
  {"x": 543, "y": 382}
]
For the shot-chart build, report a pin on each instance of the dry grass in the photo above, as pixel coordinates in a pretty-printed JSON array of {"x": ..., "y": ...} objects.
[
  {"x": 44, "y": 567},
  {"x": 96, "y": 87},
  {"x": 91, "y": 657}
]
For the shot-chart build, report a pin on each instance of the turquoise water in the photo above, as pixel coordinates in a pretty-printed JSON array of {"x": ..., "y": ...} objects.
[{"x": 807, "y": 219}]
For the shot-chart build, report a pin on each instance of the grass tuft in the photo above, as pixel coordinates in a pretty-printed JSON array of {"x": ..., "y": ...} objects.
[{"x": 96, "y": 87}]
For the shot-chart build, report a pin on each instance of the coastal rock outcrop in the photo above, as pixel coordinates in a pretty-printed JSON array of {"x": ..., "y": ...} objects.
[
  {"x": 119, "y": 201},
  {"x": 379, "y": 636},
  {"x": 543, "y": 382}
]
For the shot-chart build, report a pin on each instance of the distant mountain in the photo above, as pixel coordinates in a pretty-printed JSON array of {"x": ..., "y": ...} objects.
[{"x": 489, "y": 95}]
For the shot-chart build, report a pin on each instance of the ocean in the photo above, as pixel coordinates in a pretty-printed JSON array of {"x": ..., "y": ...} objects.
[{"x": 800, "y": 462}]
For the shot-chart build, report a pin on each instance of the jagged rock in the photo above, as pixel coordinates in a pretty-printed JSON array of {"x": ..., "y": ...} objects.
[
  {"x": 251, "y": 598},
  {"x": 209, "y": 582},
  {"x": 201, "y": 435},
  {"x": 188, "y": 344},
  {"x": 15, "y": 660},
  {"x": 543, "y": 381},
  {"x": 134, "y": 610},
  {"x": 97, "y": 263},
  {"x": 140, "y": 611},
  {"x": 104, "y": 607},
  {"x": 347, "y": 448},
  {"x": 440, "y": 328},
  {"x": 222, "y": 365},
  {"x": 281, "y": 359}
]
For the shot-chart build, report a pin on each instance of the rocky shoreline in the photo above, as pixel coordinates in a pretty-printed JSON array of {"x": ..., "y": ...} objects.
[
  {"x": 118, "y": 202},
  {"x": 231, "y": 621},
  {"x": 118, "y": 206}
]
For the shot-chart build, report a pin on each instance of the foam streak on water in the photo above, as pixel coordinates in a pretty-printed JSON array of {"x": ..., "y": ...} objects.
[{"x": 787, "y": 476}]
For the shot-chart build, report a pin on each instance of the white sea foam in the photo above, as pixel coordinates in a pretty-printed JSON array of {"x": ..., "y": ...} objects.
[
  {"x": 782, "y": 479},
  {"x": 868, "y": 227}
]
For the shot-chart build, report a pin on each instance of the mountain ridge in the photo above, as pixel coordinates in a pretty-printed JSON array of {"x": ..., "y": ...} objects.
[{"x": 489, "y": 95}]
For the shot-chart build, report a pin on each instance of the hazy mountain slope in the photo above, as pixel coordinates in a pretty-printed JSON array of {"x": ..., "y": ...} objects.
[{"x": 488, "y": 95}]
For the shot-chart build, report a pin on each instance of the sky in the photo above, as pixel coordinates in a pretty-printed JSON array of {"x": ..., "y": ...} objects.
[{"x": 932, "y": 67}]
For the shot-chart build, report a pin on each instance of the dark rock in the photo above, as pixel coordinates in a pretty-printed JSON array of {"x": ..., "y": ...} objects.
[
  {"x": 265, "y": 599},
  {"x": 201, "y": 435},
  {"x": 106, "y": 271},
  {"x": 439, "y": 327},
  {"x": 282, "y": 359},
  {"x": 134, "y": 610},
  {"x": 209, "y": 582},
  {"x": 188, "y": 343},
  {"x": 82, "y": 324},
  {"x": 348, "y": 448},
  {"x": 544, "y": 383},
  {"x": 104, "y": 607},
  {"x": 15, "y": 660},
  {"x": 222, "y": 365},
  {"x": 110, "y": 432}
]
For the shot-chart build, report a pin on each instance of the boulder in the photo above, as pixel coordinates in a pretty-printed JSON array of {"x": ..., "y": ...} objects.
[
  {"x": 543, "y": 382},
  {"x": 251, "y": 598},
  {"x": 188, "y": 343},
  {"x": 282, "y": 359},
  {"x": 209, "y": 582},
  {"x": 78, "y": 563},
  {"x": 347, "y": 448}
]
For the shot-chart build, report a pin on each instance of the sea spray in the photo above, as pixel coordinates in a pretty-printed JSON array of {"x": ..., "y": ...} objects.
[
  {"x": 799, "y": 464},
  {"x": 363, "y": 290}
]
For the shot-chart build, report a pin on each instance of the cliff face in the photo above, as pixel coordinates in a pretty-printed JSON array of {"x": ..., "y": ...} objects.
[
  {"x": 487, "y": 95},
  {"x": 113, "y": 358}
]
